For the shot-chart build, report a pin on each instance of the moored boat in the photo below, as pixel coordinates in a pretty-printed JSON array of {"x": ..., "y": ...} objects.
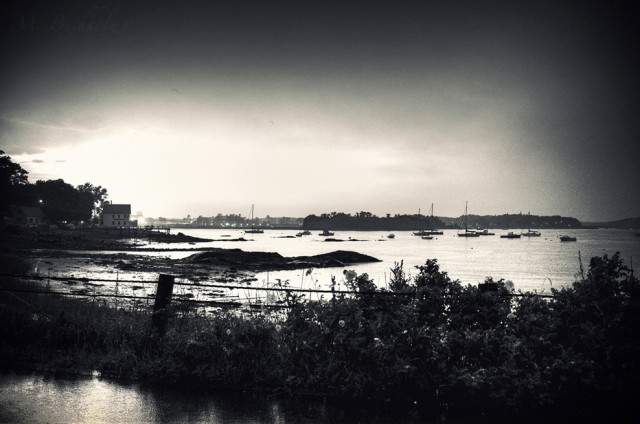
[
  {"x": 253, "y": 229},
  {"x": 429, "y": 231},
  {"x": 568, "y": 238},
  {"x": 530, "y": 232},
  {"x": 326, "y": 233},
  {"x": 420, "y": 233},
  {"x": 467, "y": 232},
  {"x": 510, "y": 235}
]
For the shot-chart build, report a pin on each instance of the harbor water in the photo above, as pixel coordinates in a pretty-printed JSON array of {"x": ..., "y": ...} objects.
[{"x": 532, "y": 263}]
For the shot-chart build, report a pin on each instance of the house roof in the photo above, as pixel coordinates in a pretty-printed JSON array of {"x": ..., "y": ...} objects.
[{"x": 118, "y": 209}]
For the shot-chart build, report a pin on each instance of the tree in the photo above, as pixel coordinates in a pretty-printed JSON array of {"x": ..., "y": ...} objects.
[
  {"x": 63, "y": 202},
  {"x": 12, "y": 175},
  {"x": 98, "y": 195}
]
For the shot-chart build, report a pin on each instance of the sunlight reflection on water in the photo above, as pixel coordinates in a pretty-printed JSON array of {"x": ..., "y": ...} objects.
[
  {"x": 91, "y": 399},
  {"x": 37, "y": 399}
]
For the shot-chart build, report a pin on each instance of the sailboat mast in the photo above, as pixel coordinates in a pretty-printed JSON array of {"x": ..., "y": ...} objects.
[
  {"x": 465, "y": 216},
  {"x": 430, "y": 216}
]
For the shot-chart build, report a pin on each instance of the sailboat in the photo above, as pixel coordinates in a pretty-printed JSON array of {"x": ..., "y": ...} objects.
[
  {"x": 420, "y": 232},
  {"x": 425, "y": 234},
  {"x": 530, "y": 232},
  {"x": 429, "y": 229},
  {"x": 467, "y": 232},
  {"x": 253, "y": 229}
]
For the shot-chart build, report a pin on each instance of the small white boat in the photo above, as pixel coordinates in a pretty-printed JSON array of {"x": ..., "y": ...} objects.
[{"x": 530, "y": 232}]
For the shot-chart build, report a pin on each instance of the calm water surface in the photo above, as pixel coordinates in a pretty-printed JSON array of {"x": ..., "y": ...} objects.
[
  {"x": 532, "y": 263},
  {"x": 36, "y": 399}
]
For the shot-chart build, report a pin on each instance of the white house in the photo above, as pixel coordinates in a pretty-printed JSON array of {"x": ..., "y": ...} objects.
[{"x": 115, "y": 216}]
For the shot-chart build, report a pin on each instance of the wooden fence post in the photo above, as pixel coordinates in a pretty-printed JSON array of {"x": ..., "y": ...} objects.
[{"x": 160, "y": 314}]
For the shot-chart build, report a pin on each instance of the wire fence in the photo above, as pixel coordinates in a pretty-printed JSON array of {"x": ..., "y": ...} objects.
[{"x": 277, "y": 289}]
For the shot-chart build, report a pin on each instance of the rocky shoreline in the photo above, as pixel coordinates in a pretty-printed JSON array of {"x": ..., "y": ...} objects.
[
  {"x": 125, "y": 253},
  {"x": 90, "y": 239}
]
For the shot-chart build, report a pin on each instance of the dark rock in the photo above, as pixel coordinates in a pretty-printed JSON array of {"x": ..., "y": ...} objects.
[{"x": 239, "y": 259}]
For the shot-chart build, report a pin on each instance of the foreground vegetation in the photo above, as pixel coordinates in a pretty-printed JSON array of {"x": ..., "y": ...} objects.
[{"x": 447, "y": 349}]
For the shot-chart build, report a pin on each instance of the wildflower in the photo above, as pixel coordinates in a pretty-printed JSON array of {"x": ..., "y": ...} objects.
[
  {"x": 228, "y": 331},
  {"x": 341, "y": 322},
  {"x": 278, "y": 328}
]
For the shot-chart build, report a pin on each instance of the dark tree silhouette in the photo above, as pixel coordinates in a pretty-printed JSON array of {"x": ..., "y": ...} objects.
[{"x": 11, "y": 176}]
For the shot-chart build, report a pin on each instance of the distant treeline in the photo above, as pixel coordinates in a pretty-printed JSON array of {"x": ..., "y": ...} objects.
[
  {"x": 368, "y": 221},
  {"x": 621, "y": 223},
  {"x": 519, "y": 221}
]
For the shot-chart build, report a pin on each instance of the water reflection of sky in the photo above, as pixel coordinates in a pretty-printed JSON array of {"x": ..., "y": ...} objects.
[{"x": 37, "y": 399}]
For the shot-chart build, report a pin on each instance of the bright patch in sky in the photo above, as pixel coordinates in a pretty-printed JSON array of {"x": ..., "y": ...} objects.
[{"x": 199, "y": 111}]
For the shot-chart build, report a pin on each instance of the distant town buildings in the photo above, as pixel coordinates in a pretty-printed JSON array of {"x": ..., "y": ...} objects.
[{"x": 226, "y": 221}]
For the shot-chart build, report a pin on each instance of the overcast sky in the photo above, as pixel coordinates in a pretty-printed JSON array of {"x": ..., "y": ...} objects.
[{"x": 310, "y": 107}]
